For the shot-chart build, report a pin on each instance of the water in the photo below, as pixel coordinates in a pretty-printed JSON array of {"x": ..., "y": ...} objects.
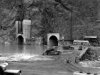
[
  {"x": 38, "y": 65},
  {"x": 18, "y": 49},
  {"x": 47, "y": 67}
]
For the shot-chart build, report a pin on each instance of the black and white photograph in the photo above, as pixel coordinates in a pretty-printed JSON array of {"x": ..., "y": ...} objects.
[{"x": 49, "y": 37}]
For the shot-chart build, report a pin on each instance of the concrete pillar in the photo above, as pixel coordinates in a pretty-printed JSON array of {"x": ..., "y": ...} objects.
[
  {"x": 16, "y": 25},
  {"x": 26, "y": 29}
]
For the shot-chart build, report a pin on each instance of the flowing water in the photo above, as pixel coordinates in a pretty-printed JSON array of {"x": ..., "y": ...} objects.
[
  {"x": 47, "y": 67},
  {"x": 22, "y": 52},
  {"x": 30, "y": 66},
  {"x": 27, "y": 49}
]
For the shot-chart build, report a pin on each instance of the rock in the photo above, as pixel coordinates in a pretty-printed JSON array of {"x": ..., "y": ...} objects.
[{"x": 51, "y": 51}]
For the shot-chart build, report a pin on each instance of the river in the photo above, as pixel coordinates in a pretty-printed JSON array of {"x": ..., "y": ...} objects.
[{"x": 27, "y": 49}]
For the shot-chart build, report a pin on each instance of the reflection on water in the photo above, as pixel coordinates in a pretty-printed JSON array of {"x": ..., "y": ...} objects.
[{"x": 26, "y": 49}]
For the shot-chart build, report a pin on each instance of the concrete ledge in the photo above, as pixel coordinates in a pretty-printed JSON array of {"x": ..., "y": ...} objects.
[{"x": 12, "y": 72}]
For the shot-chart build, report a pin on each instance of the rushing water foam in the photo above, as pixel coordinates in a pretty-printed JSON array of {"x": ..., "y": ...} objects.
[
  {"x": 22, "y": 52},
  {"x": 24, "y": 57}
]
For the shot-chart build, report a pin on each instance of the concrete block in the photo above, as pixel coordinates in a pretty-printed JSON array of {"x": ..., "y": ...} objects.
[{"x": 12, "y": 72}]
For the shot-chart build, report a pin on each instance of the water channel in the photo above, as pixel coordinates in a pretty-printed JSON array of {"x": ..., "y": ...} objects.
[{"x": 18, "y": 49}]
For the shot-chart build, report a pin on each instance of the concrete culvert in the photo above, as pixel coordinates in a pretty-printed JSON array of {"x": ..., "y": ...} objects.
[
  {"x": 20, "y": 40},
  {"x": 53, "y": 41}
]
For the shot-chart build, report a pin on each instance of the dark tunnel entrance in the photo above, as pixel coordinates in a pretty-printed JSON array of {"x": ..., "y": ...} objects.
[
  {"x": 20, "y": 40},
  {"x": 53, "y": 41}
]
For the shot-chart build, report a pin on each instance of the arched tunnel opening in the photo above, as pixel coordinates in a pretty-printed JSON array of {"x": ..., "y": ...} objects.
[
  {"x": 20, "y": 40},
  {"x": 53, "y": 41}
]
